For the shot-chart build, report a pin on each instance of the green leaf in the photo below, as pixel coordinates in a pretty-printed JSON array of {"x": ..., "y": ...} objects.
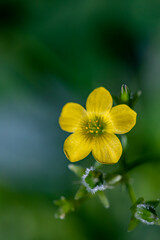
[
  {"x": 133, "y": 224},
  {"x": 103, "y": 199},
  {"x": 154, "y": 203},
  {"x": 79, "y": 171},
  {"x": 135, "y": 98},
  {"x": 113, "y": 179},
  {"x": 134, "y": 206},
  {"x": 82, "y": 192}
]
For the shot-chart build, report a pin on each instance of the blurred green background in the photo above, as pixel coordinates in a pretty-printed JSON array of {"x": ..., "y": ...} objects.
[{"x": 53, "y": 52}]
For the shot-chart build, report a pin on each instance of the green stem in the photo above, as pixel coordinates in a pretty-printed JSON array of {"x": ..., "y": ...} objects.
[
  {"x": 125, "y": 170},
  {"x": 130, "y": 191},
  {"x": 133, "y": 165},
  {"x": 140, "y": 161}
]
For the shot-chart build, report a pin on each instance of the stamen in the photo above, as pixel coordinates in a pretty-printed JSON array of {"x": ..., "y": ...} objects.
[{"x": 95, "y": 126}]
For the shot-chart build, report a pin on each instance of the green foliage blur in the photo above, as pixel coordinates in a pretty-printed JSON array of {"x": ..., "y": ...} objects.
[{"x": 53, "y": 52}]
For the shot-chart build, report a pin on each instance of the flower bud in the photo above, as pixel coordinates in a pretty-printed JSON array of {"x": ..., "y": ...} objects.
[
  {"x": 125, "y": 94},
  {"x": 65, "y": 206},
  {"x": 144, "y": 212},
  {"x": 93, "y": 180}
]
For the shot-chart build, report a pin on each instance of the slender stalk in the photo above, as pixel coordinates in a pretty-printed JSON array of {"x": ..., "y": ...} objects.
[
  {"x": 130, "y": 191},
  {"x": 140, "y": 161},
  {"x": 125, "y": 170},
  {"x": 130, "y": 166}
]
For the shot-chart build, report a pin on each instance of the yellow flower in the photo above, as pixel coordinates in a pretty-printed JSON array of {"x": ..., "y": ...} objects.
[{"x": 93, "y": 130}]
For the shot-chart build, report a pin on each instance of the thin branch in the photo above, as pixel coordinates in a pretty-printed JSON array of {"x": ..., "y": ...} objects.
[
  {"x": 140, "y": 161},
  {"x": 131, "y": 191}
]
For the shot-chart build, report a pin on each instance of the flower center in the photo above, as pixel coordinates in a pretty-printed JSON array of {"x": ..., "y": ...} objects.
[{"x": 95, "y": 126}]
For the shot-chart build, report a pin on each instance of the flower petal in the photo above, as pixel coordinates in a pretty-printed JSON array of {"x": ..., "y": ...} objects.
[
  {"x": 107, "y": 149},
  {"x": 99, "y": 101},
  {"x": 123, "y": 119},
  {"x": 70, "y": 117},
  {"x": 77, "y": 146}
]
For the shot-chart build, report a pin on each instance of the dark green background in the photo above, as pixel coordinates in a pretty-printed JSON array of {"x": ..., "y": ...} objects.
[{"x": 53, "y": 52}]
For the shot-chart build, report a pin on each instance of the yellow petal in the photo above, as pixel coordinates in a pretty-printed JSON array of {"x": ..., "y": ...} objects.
[
  {"x": 107, "y": 149},
  {"x": 77, "y": 146},
  {"x": 99, "y": 101},
  {"x": 70, "y": 117},
  {"x": 123, "y": 119}
]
